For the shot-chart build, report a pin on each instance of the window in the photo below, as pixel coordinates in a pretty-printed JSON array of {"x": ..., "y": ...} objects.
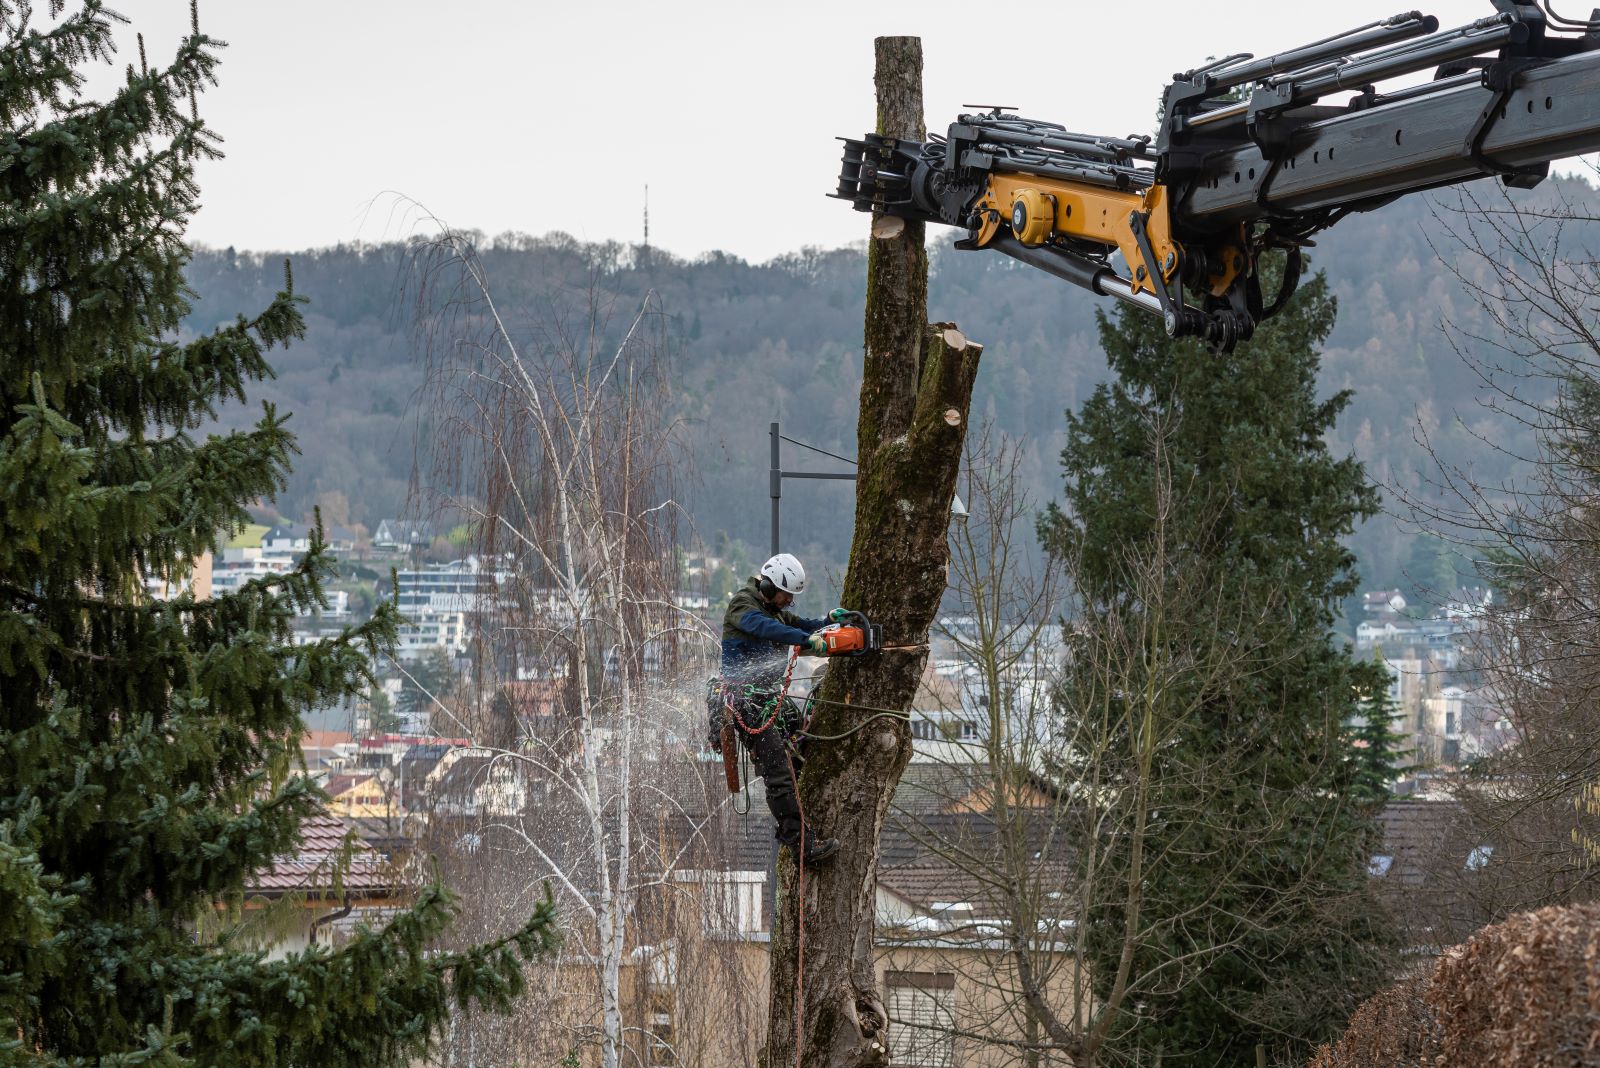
[
  {"x": 659, "y": 1039},
  {"x": 660, "y": 1035},
  {"x": 1478, "y": 859},
  {"x": 730, "y": 901},
  {"x": 919, "y": 1006}
]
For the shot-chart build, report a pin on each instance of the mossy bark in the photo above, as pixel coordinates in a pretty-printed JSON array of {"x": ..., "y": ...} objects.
[{"x": 916, "y": 390}]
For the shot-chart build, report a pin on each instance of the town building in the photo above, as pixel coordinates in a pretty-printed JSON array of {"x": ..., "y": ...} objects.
[
  {"x": 195, "y": 580},
  {"x": 403, "y": 535},
  {"x": 243, "y": 564},
  {"x": 439, "y": 602}
]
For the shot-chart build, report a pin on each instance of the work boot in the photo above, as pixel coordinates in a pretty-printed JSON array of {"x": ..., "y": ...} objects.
[{"x": 818, "y": 849}]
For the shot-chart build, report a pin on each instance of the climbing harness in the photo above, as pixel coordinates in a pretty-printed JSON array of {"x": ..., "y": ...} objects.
[{"x": 724, "y": 708}]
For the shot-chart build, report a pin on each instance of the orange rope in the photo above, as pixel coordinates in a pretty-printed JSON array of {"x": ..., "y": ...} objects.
[{"x": 800, "y": 911}]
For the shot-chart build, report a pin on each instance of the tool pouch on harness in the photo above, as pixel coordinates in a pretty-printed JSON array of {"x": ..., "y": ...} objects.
[{"x": 721, "y": 732}]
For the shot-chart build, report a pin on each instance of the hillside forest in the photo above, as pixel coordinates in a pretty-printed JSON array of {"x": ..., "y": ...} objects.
[{"x": 750, "y": 343}]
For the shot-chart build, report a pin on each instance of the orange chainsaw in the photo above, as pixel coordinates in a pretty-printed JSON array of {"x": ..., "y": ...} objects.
[{"x": 857, "y": 637}]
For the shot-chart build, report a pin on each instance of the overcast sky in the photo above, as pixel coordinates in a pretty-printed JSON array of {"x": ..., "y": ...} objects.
[{"x": 501, "y": 115}]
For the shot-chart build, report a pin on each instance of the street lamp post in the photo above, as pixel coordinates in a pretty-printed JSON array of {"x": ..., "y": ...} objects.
[{"x": 778, "y": 474}]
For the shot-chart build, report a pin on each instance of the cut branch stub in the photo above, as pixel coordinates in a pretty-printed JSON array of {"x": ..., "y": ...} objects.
[{"x": 886, "y": 226}]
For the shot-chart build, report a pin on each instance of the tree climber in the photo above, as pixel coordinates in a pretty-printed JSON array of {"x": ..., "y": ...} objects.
[{"x": 755, "y": 631}]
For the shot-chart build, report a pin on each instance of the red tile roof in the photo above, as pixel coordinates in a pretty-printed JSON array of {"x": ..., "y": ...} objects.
[
  {"x": 338, "y": 784},
  {"x": 324, "y": 739},
  {"x": 312, "y": 870}
]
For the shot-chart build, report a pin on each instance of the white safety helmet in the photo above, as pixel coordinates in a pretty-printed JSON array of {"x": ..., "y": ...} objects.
[{"x": 785, "y": 572}]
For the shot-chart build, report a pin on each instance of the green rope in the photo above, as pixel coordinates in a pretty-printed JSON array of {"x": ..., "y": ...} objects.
[
  {"x": 902, "y": 716},
  {"x": 877, "y": 713}
]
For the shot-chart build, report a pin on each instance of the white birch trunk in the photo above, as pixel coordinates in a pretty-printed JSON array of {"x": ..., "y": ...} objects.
[{"x": 588, "y": 443}]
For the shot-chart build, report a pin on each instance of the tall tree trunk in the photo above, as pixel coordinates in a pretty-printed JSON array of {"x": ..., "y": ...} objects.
[{"x": 825, "y": 1010}]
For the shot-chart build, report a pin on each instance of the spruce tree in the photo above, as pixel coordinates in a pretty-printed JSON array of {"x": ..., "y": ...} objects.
[
  {"x": 1378, "y": 751},
  {"x": 148, "y": 749},
  {"x": 1261, "y": 926}
]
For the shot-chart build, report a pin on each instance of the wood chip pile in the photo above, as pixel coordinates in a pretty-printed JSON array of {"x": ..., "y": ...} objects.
[{"x": 1525, "y": 992}]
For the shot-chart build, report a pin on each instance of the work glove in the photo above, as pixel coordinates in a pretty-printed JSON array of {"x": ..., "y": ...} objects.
[
  {"x": 839, "y": 615},
  {"x": 816, "y": 646},
  {"x": 714, "y": 742}
]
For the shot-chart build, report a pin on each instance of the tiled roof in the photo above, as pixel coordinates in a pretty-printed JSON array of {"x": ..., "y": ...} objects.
[
  {"x": 467, "y": 773},
  {"x": 1417, "y": 833},
  {"x": 387, "y": 837},
  {"x": 912, "y": 839},
  {"x": 338, "y": 784},
  {"x": 316, "y": 869},
  {"x": 927, "y": 884},
  {"x": 936, "y": 786},
  {"x": 419, "y": 761},
  {"x": 1440, "y": 869},
  {"x": 324, "y": 739}
]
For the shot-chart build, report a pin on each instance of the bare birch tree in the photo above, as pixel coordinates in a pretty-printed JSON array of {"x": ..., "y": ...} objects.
[
  {"x": 1531, "y": 831},
  {"x": 553, "y": 436},
  {"x": 692, "y": 978}
]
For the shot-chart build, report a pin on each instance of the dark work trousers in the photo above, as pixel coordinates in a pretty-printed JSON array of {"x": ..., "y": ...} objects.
[{"x": 775, "y": 764}]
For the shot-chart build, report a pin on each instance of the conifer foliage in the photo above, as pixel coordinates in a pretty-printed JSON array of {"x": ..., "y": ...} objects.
[
  {"x": 1379, "y": 752},
  {"x": 1255, "y": 924},
  {"x": 148, "y": 748}
]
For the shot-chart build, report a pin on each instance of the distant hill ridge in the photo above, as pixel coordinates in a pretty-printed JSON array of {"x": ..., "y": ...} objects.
[{"x": 754, "y": 342}]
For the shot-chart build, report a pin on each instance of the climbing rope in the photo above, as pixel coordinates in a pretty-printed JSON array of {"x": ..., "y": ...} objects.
[
  {"x": 901, "y": 716},
  {"x": 800, "y": 912},
  {"x": 877, "y": 714}
]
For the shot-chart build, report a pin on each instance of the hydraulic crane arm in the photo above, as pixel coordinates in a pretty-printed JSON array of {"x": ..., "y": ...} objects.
[{"x": 1247, "y": 159}]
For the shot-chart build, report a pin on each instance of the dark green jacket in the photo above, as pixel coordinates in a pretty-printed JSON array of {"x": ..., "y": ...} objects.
[{"x": 755, "y": 633}]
